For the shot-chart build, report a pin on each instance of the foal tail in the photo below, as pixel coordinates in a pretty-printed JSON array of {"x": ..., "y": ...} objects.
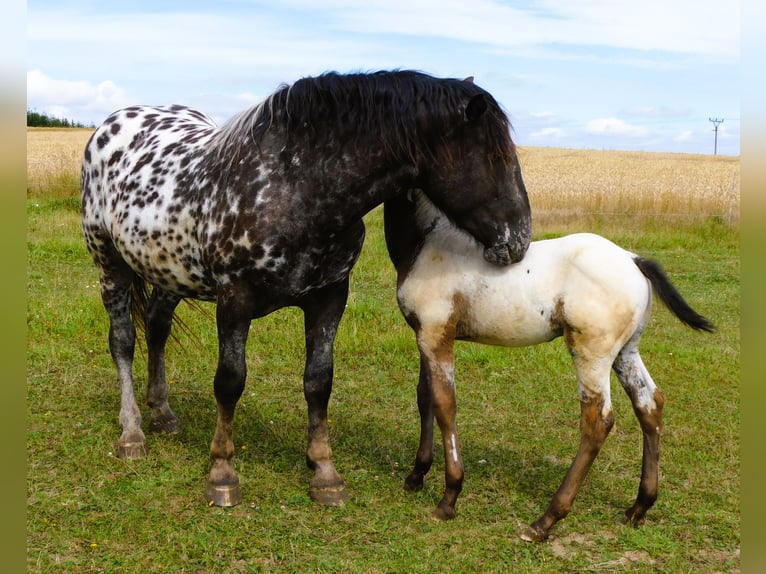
[{"x": 670, "y": 296}]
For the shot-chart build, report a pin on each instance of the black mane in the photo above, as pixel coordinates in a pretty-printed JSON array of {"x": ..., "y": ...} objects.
[{"x": 404, "y": 112}]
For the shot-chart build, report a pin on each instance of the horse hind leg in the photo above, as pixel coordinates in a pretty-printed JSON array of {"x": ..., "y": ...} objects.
[
  {"x": 648, "y": 402},
  {"x": 159, "y": 319},
  {"x": 117, "y": 280},
  {"x": 596, "y": 420}
]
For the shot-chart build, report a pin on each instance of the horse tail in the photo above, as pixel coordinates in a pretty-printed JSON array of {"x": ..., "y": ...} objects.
[
  {"x": 670, "y": 296},
  {"x": 139, "y": 299}
]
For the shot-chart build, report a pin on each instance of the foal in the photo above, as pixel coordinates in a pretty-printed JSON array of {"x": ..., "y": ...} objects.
[{"x": 582, "y": 287}]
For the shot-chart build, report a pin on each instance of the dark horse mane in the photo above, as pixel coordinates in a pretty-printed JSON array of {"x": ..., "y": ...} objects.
[{"x": 406, "y": 112}]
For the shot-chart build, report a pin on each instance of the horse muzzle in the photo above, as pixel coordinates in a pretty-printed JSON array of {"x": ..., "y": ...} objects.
[
  {"x": 502, "y": 254},
  {"x": 498, "y": 254}
]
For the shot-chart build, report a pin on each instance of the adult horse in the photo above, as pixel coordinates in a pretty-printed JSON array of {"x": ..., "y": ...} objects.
[
  {"x": 582, "y": 287},
  {"x": 266, "y": 212}
]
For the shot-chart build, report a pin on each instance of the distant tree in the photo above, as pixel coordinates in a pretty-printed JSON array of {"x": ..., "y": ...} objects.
[{"x": 38, "y": 120}]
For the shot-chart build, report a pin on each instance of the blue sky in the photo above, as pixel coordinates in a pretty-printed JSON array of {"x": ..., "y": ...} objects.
[{"x": 599, "y": 74}]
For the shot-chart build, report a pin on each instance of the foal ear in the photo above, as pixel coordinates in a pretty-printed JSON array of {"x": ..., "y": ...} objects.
[
  {"x": 469, "y": 79},
  {"x": 477, "y": 105}
]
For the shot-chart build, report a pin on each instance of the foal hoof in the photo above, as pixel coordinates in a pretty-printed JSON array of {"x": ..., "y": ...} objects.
[
  {"x": 329, "y": 495},
  {"x": 223, "y": 494},
  {"x": 131, "y": 450},
  {"x": 413, "y": 483},
  {"x": 634, "y": 517},
  {"x": 534, "y": 534},
  {"x": 444, "y": 513}
]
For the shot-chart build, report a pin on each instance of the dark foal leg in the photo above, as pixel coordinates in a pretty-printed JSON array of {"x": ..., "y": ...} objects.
[
  {"x": 322, "y": 314},
  {"x": 116, "y": 280},
  {"x": 159, "y": 318},
  {"x": 425, "y": 455},
  {"x": 596, "y": 420},
  {"x": 648, "y": 402},
  {"x": 234, "y": 312}
]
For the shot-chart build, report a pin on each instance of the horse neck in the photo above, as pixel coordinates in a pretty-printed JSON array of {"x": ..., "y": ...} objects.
[
  {"x": 403, "y": 236},
  {"x": 411, "y": 221}
]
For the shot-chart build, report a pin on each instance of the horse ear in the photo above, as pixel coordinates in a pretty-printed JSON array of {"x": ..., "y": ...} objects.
[
  {"x": 477, "y": 105},
  {"x": 469, "y": 79}
]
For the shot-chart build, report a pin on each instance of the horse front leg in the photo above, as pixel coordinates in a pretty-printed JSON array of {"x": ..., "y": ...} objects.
[
  {"x": 437, "y": 351},
  {"x": 425, "y": 455},
  {"x": 596, "y": 420},
  {"x": 322, "y": 314},
  {"x": 233, "y": 315},
  {"x": 159, "y": 319}
]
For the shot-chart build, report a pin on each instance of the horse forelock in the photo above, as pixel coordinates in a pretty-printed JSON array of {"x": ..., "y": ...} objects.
[{"x": 407, "y": 112}]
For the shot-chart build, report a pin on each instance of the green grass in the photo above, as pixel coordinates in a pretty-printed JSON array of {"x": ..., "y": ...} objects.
[{"x": 89, "y": 511}]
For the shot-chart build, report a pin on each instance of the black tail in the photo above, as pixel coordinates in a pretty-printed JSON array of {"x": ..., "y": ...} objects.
[
  {"x": 140, "y": 297},
  {"x": 670, "y": 296}
]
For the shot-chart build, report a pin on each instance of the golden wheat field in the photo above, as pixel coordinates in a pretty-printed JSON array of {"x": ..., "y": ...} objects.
[{"x": 568, "y": 186}]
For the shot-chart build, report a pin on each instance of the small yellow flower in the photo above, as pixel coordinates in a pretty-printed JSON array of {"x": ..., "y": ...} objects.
[{"x": 93, "y": 544}]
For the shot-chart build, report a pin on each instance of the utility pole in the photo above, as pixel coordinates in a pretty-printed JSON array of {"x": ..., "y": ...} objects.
[{"x": 716, "y": 123}]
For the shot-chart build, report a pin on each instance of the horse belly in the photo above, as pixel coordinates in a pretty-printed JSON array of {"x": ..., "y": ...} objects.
[{"x": 507, "y": 321}]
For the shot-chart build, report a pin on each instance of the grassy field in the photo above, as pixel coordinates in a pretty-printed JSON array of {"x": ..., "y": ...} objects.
[{"x": 88, "y": 511}]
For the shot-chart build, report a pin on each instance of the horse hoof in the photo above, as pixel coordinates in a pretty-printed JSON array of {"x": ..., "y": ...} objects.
[
  {"x": 329, "y": 495},
  {"x": 131, "y": 450},
  {"x": 223, "y": 494},
  {"x": 444, "y": 513},
  {"x": 169, "y": 426},
  {"x": 534, "y": 534},
  {"x": 634, "y": 518},
  {"x": 413, "y": 484}
]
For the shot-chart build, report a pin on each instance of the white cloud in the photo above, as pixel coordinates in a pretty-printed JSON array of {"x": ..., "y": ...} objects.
[
  {"x": 545, "y": 115},
  {"x": 73, "y": 99},
  {"x": 549, "y": 133},
  {"x": 682, "y": 26},
  {"x": 658, "y": 112},
  {"x": 684, "y": 136},
  {"x": 614, "y": 127}
]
